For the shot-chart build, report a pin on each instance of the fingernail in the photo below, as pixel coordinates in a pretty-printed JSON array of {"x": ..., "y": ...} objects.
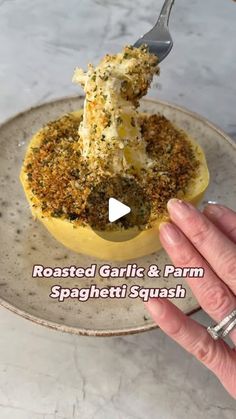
[
  {"x": 155, "y": 306},
  {"x": 178, "y": 208},
  {"x": 214, "y": 210},
  {"x": 170, "y": 233}
]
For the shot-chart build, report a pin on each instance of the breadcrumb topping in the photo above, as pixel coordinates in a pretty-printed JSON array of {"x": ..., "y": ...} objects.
[
  {"x": 61, "y": 180},
  {"x": 73, "y": 172}
]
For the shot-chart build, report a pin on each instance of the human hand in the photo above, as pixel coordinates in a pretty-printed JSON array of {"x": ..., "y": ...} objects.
[{"x": 208, "y": 240}]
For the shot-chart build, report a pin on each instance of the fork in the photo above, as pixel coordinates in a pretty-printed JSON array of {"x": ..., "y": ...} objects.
[{"x": 158, "y": 39}]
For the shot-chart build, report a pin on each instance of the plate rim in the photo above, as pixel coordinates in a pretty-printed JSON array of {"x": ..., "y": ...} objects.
[{"x": 102, "y": 332}]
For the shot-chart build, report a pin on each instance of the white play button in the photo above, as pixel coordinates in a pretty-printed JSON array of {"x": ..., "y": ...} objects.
[{"x": 117, "y": 210}]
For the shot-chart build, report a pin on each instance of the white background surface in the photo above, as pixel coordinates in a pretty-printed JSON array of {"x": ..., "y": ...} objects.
[{"x": 45, "y": 374}]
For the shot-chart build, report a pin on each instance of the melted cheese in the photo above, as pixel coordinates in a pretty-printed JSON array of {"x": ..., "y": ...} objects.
[{"x": 110, "y": 130}]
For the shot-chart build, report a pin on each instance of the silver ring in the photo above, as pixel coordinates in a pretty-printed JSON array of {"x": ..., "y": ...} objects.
[{"x": 222, "y": 329}]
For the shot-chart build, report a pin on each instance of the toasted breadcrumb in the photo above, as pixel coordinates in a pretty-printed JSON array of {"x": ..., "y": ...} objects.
[{"x": 61, "y": 180}]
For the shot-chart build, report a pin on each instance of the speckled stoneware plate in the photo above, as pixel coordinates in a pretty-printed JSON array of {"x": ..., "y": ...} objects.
[{"x": 25, "y": 242}]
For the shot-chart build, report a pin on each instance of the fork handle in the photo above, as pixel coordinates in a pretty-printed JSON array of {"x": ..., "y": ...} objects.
[{"x": 165, "y": 13}]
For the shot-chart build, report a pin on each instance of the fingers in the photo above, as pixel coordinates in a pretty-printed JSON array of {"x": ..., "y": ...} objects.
[
  {"x": 213, "y": 295},
  {"x": 193, "y": 337},
  {"x": 224, "y": 218},
  {"x": 214, "y": 246}
]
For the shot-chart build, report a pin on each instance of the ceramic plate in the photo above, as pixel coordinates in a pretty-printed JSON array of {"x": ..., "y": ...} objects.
[{"x": 26, "y": 242}]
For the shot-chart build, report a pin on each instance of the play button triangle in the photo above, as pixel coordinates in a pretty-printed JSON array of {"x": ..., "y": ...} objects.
[{"x": 117, "y": 210}]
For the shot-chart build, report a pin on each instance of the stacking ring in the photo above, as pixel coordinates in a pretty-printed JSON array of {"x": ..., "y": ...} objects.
[{"x": 222, "y": 329}]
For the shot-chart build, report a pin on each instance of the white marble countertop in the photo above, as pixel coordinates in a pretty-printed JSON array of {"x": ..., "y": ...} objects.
[{"x": 48, "y": 375}]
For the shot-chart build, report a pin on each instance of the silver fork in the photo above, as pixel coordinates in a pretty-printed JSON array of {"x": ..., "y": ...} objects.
[{"x": 158, "y": 39}]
